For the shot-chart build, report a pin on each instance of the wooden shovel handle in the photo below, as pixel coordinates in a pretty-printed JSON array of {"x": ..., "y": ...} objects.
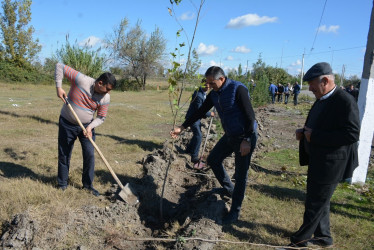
[{"x": 94, "y": 144}]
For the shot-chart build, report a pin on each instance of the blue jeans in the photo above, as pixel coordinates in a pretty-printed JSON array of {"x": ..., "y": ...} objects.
[
  {"x": 67, "y": 134},
  {"x": 272, "y": 98},
  {"x": 194, "y": 145},
  {"x": 224, "y": 148},
  {"x": 286, "y": 98},
  {"x": 295, "y": 96}
]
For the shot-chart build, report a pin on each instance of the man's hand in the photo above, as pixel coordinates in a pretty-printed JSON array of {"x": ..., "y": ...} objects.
[
  {"x": 61, "y": 93},
  {"x": 176, "y": 132},
  {"x": 245, "y": 148},
  {"x": 307, "y": 133},
  {"x": 212, "y": 114},
  {"x": 299, "y": 134},
  {"x": 88, "y": 132}
]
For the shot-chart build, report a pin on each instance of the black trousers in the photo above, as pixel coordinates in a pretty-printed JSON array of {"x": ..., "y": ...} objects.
[{"x": 317, "y": 214}]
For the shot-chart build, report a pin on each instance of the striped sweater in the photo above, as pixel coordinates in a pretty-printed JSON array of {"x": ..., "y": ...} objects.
[{"x": 82, "y": 97}]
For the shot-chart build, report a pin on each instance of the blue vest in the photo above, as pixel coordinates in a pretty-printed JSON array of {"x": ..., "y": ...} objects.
[{"x": 232, "y": 118}]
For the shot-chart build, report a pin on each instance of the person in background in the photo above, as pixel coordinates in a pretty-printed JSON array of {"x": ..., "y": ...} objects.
[
  {"x": 273, "y": 91},
  {"x": 232, "y": 102},
  {"x": 198, "y": 97},
  {"x": 286, "y": 93},
  {"x": 328, "y": 145},
  {"x": 280, "y": 92},
  {"x": 296, "y": 92},
  {"x": 87, "y": 96},
  {"x": 353, "y": 91}
]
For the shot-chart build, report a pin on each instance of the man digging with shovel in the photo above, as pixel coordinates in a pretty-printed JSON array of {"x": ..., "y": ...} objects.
[
  {"x": 231, "y": 100},
  {"x": 86, "y": 96}
]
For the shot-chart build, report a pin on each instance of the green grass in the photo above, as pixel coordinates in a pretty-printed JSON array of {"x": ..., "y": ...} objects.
[
  {"x": 138, "y": 123},
  {"x": 274, "y": 207}
]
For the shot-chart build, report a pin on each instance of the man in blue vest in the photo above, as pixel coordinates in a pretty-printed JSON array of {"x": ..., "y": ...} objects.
[{"x": 231, "y": 100}]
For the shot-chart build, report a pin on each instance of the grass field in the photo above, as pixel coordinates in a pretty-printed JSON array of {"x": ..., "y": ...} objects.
[{"x": 139, "y": 122}]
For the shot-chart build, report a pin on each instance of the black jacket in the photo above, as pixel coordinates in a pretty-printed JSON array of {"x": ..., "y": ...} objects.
[{"x": 333, "y": 144}]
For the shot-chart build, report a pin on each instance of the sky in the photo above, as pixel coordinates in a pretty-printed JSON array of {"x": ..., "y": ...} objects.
[{"x": 229, "y": 33}]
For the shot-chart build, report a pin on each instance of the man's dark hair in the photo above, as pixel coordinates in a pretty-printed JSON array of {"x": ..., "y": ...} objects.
[
  {"x": 215, "y": 72},
  {"x": 107, "y": 78}
]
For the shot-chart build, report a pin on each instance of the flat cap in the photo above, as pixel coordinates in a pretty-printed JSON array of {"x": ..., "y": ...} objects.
[{"x": 318, "y": 69}]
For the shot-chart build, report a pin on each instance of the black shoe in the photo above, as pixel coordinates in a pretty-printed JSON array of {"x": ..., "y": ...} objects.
[
  {"x": 318, "y": 242},
  {"x": 230, "y": 218},
  {"x": 195, "y": 160},
  {"x": 222, "y": 191},
  {"x": 92, "y": 191},
  {"x": 62, "y": 188}
]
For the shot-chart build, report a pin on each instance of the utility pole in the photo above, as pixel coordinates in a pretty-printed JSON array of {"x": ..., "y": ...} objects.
[
  {"x": 302, "y": 71},
  {"x": 342, "y": 75},
  {"x": 247, "y": 70},
  {"x": 365, "y": 106}
]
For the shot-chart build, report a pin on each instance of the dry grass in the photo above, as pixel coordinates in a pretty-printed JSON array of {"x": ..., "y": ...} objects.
[{"x": 138, "y": 123}]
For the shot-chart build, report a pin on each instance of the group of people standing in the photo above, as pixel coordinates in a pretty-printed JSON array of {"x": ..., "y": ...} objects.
[
  {"x": 327, "y": 142},
  {"x": 277, "y": 92}
]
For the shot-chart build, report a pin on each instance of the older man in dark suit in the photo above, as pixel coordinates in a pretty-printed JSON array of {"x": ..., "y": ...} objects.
[{"x": 328, "y": 145}]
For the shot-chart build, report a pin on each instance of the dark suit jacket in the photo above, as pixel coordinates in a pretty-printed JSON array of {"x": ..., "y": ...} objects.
[
  {"x": 333, "y": 144},
  {"x": 196, "y": 102}
]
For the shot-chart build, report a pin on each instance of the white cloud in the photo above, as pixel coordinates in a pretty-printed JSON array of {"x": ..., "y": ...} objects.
[
  {"x": 213, "y": 63},
  {"x": 187, "y": 16},
  {"x": 90, "y": 41},
  {"x": 298, "y": 62},
  {"x": 249, "y": 20},
  {"x": 205, "y": 50},
  {"x": 229, "y": 58},
  {"x": 242, "y": 49},
  {"x": 330, "y": 29}
]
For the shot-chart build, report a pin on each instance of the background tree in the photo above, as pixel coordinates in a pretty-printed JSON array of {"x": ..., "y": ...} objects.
[
  {"x": 83, "y": 59},
  {"x": 134, "y": 50},
  {"x": 17, "y": 45}
]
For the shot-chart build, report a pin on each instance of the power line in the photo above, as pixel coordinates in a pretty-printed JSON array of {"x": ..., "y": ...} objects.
[
  {"x": 319, "y": 25},
  {"x": 322, "y": 52}
]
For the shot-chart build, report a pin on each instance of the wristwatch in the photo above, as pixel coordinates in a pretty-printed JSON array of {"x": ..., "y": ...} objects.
[{"x": 247, "y": 139}]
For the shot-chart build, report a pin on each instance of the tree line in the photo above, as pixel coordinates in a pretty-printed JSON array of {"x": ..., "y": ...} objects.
[{"x": 133, "y": 56}]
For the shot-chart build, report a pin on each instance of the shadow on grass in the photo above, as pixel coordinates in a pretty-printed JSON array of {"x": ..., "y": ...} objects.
[
  {"x": 280, "y": 193},
  {"x": 12, "y": 170},
  {"x": 343, "y": 209},
  {"x": 253, "y": 227},
  {"x": 258, "y": 168},
  {"x": 145, "y": 145},
  {"x": 36, "y": 118}
]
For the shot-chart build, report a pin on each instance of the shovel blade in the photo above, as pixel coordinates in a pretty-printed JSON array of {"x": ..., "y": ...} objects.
[{"x": 128, "y": 195}]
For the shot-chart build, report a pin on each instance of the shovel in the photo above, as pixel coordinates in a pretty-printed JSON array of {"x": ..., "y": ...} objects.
[
  {"x": 201, "y": 165},
  {"x": 126, "y": 194}
]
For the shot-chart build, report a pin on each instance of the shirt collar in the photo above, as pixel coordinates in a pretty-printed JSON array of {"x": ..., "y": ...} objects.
[{"x": 328, "y": 94}]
